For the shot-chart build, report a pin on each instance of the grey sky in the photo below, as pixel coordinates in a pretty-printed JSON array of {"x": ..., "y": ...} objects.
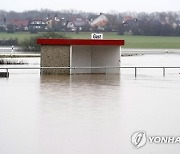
[{"x": 93, "y": 5}]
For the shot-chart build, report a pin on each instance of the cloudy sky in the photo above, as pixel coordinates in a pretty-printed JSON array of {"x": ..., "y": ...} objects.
[{"x": 92, "y": 5}]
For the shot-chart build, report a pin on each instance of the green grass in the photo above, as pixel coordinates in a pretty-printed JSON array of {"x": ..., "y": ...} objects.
[
  {"x": 19, "y": 35},
  {"x": 152, "y": 42},
  {"x": 131, "y": 41}
]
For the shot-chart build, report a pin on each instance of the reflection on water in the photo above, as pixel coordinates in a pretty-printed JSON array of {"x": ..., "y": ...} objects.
[
  {"x": 91, "y": 114},
  {"x": 84, "y": 110},
  {"x": 80, "y": 91}
]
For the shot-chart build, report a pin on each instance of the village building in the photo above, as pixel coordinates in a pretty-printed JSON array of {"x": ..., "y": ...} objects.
[
  {"x": 129, "y": 21},
  {"x": 56, "y": 24},
  {"x": 76, "y": 24},
  {"x": 37, "y": 24},
  {"x": 3, "y": 24},
  {"x": 52, "y": 21},
  {"x": 14, "y": 24},
  {"x": 99, "y": 22},
  {"x": 20, "y": 24}
]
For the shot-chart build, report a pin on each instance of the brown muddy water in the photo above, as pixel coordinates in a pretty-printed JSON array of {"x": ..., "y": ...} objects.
[{"x": 90, "y": 114}]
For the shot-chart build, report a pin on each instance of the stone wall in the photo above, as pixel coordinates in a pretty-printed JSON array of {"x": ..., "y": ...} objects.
[{"x": 55, "y": 56}]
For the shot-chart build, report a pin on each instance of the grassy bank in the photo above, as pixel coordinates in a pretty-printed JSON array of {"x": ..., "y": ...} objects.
[
  {"x": 11, "y": 62},
  {"x": 131, "y": 41}
]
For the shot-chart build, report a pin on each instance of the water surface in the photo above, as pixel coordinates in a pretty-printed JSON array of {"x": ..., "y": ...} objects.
[{"x": 90, "y": 114}]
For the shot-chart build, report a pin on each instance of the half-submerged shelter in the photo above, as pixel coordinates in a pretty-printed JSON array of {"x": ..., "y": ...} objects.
[{"x": 80, "y": 55}]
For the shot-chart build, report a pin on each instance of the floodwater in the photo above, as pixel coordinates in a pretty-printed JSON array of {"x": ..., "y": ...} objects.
[{"x": 90, "y": 114}]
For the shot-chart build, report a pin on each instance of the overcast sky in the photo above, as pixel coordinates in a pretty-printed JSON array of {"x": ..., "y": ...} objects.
[{"x": 92, "y": 5}]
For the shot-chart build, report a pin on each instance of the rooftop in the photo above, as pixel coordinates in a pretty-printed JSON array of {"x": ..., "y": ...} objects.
[{"x": 44, "y": 41}]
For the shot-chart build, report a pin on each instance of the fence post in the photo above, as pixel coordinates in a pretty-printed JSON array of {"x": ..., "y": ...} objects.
[
  {"x": 7, "y": 73},
  {"x": 135, "y": 71},
  {"x": 12, "y": 50},
  {"x": 164, "y": 71},
  {"x": 74, "y": 70}
]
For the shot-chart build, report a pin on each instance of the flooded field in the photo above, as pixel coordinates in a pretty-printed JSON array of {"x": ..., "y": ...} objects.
[{"x": 90, "y": 114}]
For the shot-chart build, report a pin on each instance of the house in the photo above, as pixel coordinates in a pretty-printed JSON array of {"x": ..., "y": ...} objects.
[
  {"x": 129, "y": 24},
  {"x": 15, "y": 24},
  {"x": 129, "y": 21},
  {"x": 19, "y": 24},
  {"x": 37, "y": 24},
  {"x": 63, "y": 22},
  {"x": 3, "y": 24},
  {"x": 56, "y": 24},
  {"x": 76, "y": 24},
  {"x": 52, "y": 21},
  {"x": 100, "y": 22}
]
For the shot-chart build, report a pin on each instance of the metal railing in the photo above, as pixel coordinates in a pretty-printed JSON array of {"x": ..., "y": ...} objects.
[{"x": 105, "y": 68}]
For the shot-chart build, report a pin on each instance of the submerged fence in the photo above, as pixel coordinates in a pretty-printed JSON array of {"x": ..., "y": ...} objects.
[{"x": 75, "y": 68}]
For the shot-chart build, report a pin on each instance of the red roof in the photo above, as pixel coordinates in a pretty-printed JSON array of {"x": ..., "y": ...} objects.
[
  {"x": 19, "y": 22},
  {"x": 79, "y": 42}
]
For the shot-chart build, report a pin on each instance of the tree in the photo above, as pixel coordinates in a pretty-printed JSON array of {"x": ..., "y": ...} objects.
[{"x": 10, "y": 28}]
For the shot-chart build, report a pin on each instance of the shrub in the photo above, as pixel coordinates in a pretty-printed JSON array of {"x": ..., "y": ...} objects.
[{"x": 31, "y": 45}]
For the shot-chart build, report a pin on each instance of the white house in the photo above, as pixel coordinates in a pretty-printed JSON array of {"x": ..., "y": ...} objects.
[{"x": 100, "y": 21}]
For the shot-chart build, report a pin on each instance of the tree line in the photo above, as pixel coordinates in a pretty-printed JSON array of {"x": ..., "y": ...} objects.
[{"x": 155, "y": 24}]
